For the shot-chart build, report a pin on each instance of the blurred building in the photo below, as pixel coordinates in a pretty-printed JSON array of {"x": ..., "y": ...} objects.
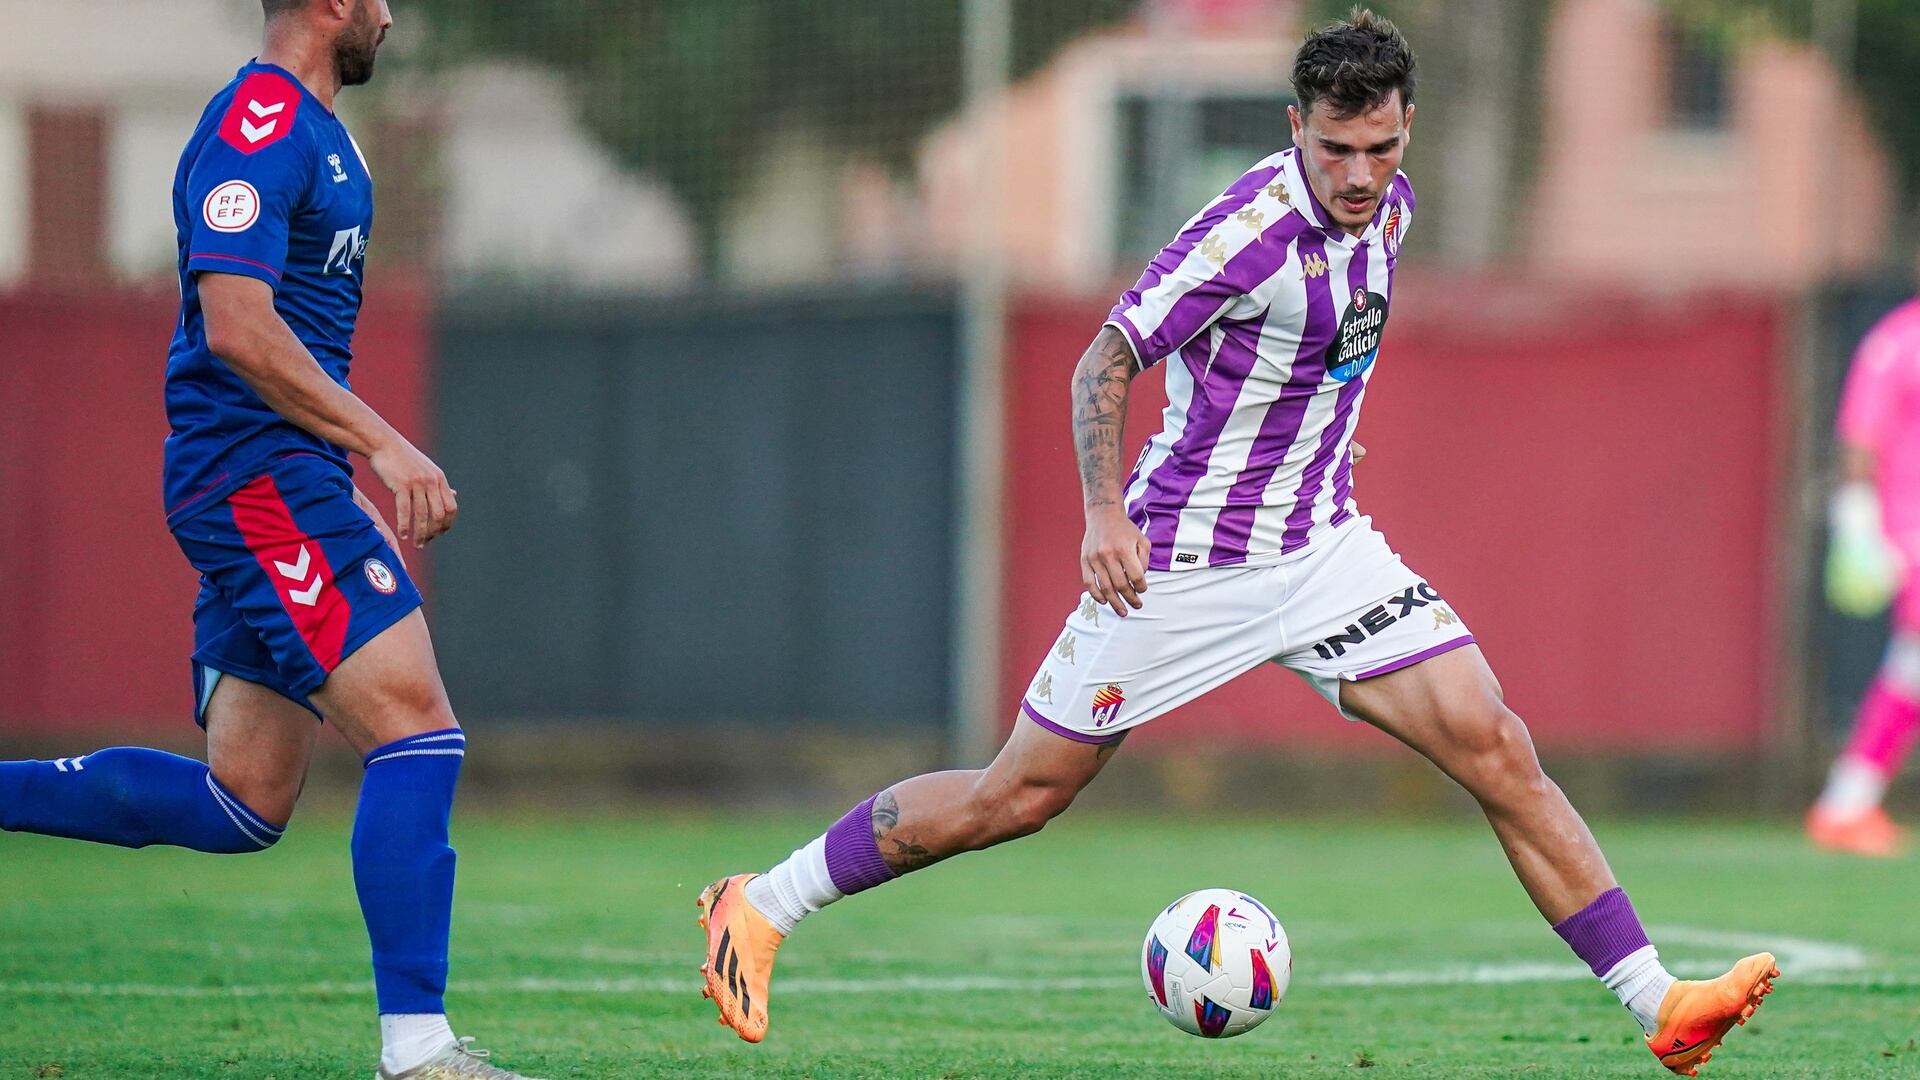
[
  {"x": 1757, "y": 164},
  {"x": 484, "y": 171}
]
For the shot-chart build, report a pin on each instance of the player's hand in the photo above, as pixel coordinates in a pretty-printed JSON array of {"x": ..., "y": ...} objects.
[
  {"x": 1113, "y": 560},
  {"x": 380, "y": 523},
  {"x": 1359, "y": 453},
  {"x": 424, "y": 504},
  {"x": 1863, "y": 569}
]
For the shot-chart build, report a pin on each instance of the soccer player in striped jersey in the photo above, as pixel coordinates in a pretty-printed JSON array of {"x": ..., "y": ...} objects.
[{"x": 1235, "y": 542}]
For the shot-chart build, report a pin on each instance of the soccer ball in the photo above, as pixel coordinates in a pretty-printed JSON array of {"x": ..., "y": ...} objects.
[{"x": 1216, "y": 963}]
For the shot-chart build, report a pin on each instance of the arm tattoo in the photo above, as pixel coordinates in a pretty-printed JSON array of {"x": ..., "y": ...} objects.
[
  {"x": 1100, "y": 385},
  {"x": 901, "y": 852}
]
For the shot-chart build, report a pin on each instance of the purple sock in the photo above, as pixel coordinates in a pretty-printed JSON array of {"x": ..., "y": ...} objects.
[
  {"x": 853, "y": 859},
  {"x": 1604, "y": 932}
]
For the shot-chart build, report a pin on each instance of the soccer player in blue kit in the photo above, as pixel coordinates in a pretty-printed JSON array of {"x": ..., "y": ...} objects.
[{"x": 305, "y": 607}]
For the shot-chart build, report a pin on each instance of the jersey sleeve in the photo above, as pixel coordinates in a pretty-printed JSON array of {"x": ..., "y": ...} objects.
[
  {"x": 1197, "y": 277},
  {"x": 247, "y": 183},
  {"x": 1882, "y": 367}
]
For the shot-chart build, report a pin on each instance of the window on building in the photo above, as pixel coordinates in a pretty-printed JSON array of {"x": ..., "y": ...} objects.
[
  {"x": 1697, "y": 74},
  {"x": 1179, "y": 147}
]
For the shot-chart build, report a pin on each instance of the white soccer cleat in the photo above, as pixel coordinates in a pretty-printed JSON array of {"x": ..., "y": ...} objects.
[{"x": 457, "y": 1062}]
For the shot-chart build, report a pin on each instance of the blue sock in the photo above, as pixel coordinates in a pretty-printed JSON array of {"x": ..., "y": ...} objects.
[
  {"x": 132, "y": 798},
  {"x": 403, "y": 866}
]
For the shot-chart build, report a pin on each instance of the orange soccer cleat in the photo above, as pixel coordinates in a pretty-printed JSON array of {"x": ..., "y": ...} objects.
[
  {"x": 1695, "y": 1016},
  {"x": 1870, "y": 832},
  {"x": 740, "y": 947}
]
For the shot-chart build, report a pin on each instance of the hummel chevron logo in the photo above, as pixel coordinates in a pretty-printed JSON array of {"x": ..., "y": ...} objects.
[
  {"x": 297, "y": 571},
  {"x": 70, "y": 764},
  {"x": 255, "y": 133}
]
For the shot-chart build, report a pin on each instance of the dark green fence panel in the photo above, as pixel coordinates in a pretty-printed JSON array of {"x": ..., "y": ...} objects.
[{"x": 692, "y": 512}]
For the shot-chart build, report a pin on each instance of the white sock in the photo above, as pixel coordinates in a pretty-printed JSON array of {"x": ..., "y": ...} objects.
[
  {"x": 409, "y": 1040},
  {"x": 795, "y": 889},
  {"x": 1853, "y": 788},
  {"x": 1641, "y": 982}
]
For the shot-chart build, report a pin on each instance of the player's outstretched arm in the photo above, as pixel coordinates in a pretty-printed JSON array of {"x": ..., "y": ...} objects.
[
  {"x": 245, "y": 332},
  {"x": 1113, "y": 557}
]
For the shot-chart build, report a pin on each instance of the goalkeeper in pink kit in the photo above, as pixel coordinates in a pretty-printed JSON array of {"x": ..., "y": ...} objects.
[{"x": 1874, "y": 560}]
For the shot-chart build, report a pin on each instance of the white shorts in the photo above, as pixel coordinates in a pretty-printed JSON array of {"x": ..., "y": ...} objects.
[{"x": 1345, "y": 611}]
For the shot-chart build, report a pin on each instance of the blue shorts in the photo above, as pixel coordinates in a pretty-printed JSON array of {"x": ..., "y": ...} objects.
[{"x": 293, "y": 578}]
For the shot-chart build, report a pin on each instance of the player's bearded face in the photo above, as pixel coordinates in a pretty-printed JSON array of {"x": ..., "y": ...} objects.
[
  {"x": 1351, "y": 161},
  {"x": 354, "y": 49}
]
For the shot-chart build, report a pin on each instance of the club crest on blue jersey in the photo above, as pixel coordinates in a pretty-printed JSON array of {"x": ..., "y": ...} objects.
[
  {"x": 381, "y": 577},
  {"x": 1357, "y": 344}
]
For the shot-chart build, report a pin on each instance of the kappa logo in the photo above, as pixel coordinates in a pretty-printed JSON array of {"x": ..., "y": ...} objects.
[
  {"x": 1251, "y": 218},
  {"x": 1106, "y": 705},
  {"x": 1043, "y": 689},
  {"x": 1313, "y": 266},
  {"x": 1064, "y": 650},
  {"x": 1214, "y": 250},
  {"x": 1379, "y": 618},
  {"x": 1089, "y": 610},
  {"x": 349, "y": 247},
  {"x": 1278, "y": 190}
]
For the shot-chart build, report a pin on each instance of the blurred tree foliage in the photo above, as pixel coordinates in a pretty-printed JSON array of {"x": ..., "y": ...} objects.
[
  {"x": 1885, "y": 54},
  {"x": 692, "y": 90}
]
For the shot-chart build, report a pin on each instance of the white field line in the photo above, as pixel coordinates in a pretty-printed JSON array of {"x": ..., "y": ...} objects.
[{"x": 1803, "y": 961}]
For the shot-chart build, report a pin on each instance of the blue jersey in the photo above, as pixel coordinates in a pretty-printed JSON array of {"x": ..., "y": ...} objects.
[{"x": 272, "y": 187}]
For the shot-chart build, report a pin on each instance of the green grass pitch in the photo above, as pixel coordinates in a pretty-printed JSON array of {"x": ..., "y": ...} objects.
[{"x": 1416, "y": 955}]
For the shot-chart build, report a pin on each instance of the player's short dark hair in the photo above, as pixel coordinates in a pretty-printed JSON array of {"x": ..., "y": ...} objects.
[
  {"x": 281, "y": 7},
  {"x": 1354, "y": 66}
]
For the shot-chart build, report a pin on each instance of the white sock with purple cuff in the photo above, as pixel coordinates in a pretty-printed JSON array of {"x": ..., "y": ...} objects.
[
  {"x": 1641, "y": 982},
  {"x": 796, "y": 888}
]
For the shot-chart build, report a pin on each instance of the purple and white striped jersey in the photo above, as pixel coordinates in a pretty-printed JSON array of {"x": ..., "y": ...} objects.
[{"x": 1274, "y": 315}]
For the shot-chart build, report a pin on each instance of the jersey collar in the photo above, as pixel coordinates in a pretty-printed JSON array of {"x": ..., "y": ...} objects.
[{"x": 257, "y": 64}]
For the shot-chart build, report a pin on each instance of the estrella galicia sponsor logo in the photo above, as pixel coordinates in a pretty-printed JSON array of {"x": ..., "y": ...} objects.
[
  {"x": 1358, "y": 343},
  {"x": 1381, "y": 616}
]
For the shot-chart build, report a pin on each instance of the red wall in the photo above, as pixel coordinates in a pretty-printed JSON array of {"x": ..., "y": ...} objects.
[
  {"x": 97, "y": 600},
  {"x": 1592, "y": 481}
]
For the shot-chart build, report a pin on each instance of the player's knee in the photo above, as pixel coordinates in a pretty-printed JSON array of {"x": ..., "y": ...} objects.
[
  {"x": 1028, "y": 809},
  {"x": 406, "y": 708},
  {"x": 1901, "y": 668},
  {"x": 1494, "y": 756}
]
